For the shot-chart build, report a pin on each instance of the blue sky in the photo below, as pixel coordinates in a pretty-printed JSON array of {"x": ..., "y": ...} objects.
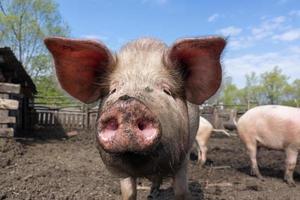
[{"x": 261, "y": 33}]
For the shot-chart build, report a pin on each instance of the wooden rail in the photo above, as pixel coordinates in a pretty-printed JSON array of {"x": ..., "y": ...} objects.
[
  {"x": 77, "y": 118},
  {"x": 6, "y": 105},
  {"x": 67, "y": 118}
]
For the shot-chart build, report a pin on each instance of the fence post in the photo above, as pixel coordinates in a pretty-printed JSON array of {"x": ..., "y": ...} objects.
[
  {"x": 7, "y": 104},
  {"x": 86, "y": 121}
]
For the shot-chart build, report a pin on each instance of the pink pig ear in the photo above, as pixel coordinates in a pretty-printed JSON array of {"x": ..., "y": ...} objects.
[
  {"x": 81, "y": 66},
  {"x": 198, "y": 60}
]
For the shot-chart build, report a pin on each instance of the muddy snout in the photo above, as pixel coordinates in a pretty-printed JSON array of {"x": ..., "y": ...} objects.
[{"x": 128, "y": 126}]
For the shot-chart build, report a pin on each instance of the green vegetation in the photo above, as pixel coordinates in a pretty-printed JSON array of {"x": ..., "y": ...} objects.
[
  {"x": 23, "y": 26},
  {"x": 271, "y": 87}
]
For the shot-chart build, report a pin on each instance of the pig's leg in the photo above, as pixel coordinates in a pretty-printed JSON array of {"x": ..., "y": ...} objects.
[
  {"x": 252, "y": 150},
  {"x": 180, "y": 184},
  {"x": 290, "y": 163},
  {"x": 199, "y": 150},
  {"x": 154, "y": 192},
  {"x": 199, "y": 156},
  {"x": 204, "y": 152},
  {"x": 128, "y": 188}
]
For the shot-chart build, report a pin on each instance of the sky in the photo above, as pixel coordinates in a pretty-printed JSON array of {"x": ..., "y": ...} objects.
[{"x": 261, "y": 34}]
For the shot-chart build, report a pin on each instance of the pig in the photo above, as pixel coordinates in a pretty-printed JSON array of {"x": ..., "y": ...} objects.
[
  {"x": 203, "y": 134},
  {"x": 148, "y": 101},
  {"x": 275, "y": 127}
]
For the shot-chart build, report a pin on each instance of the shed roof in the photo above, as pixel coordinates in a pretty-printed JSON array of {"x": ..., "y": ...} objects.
[{"x": 12, "y": 71}]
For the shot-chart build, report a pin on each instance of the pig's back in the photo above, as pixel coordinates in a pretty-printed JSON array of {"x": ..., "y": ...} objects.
[{"x": 273, "y": 126}]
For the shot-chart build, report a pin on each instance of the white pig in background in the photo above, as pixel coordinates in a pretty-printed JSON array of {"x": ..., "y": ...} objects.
[
  {"x": 275, "y": 127},
  {"x": 145, "y": 125},
  {"x": 203, "y": 134}
]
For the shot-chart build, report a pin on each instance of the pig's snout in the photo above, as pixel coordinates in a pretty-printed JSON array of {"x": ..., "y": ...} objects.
[{"x": 128, "y": 126}]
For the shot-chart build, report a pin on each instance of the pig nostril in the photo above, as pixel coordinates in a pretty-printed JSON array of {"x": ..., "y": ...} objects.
[
  {"x": 112, "y": 124},
  {"x": 145, "y": 124},
  {"x": 142, "y": 125},
  {"x": 148, "y": 130}
]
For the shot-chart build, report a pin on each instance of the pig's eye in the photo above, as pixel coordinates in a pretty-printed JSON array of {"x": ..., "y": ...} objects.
[
  {"x": 112, "y": 91},
  {"x": 168, "y": 92}
]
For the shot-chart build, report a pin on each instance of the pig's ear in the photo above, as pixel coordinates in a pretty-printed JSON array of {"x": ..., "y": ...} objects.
[
  {"x": 198, "y": 60},
  {"x": 81, "y": 66}
]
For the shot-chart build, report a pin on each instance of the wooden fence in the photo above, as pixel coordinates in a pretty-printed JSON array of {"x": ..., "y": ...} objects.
[
  {"x": 73, "y": 115},
  {"x": 66, "y": 118},
  {"x": 80, "y": 117},
  {"x": 222, "y": 116},
  {"x": 7, "y": 122}
]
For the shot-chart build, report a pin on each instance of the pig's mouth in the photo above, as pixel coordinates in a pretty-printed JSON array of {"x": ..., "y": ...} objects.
[
  {"x": 137, "y": 158},
  {"x": 128, "y": 128},
  {"x": 138, "y": 162}
]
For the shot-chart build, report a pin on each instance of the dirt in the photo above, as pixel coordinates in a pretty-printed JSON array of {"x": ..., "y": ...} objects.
[{"x": 71, "y": 168}]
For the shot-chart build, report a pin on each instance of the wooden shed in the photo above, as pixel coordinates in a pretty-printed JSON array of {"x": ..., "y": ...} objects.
[{"x": 12, "y": 73}]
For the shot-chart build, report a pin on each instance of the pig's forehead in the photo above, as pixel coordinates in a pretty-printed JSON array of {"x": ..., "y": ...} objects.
[
  {"x": 142, "y": 57},
  {"x": 141, "y": 61},
  {"x": 143, "y": 74},
  {"x": 143, "y": 44},
  {"x": 144, "y": 52}
]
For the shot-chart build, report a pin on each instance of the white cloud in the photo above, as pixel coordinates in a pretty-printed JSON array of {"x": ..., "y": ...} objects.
[
  {"x": 268, "y": 27},
  {"x": 235, "y": 43},
  {"x": 295, "y": 49},
  {"x": 238, "y": 67},
  {"x": 265, "y": 30},
  {"x": 240, "y": 42},
  {"x": 230, "y": 31},
  {"x": 213, "y": 17},
  {"x": 290, "y": 35},
  {"x": 271, "y": 31},
  {"x": 295, "y": 13}
]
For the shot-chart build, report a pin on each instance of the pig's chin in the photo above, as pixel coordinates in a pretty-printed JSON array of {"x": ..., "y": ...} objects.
[
  {"x": 138, "y": 158},
  {"x": 138, "y": 164}
]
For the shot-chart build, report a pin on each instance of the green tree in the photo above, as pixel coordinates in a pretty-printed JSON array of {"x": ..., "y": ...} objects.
[
  {"x": 229, "y": 94},
  {"x": 250, "y": 94},
  {"x": 271, "y": 87},
  {"x": 23, "y": 26},
  {"x": 274, "y": 86},
  {"x": 294, "y": 90},
  {"x": 49, "y": 93}
]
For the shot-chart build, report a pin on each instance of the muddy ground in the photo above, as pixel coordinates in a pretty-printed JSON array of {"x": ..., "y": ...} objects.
[{"x": 62, "y": 168}]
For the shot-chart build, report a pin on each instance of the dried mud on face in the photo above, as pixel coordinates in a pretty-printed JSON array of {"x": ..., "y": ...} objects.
[{"x": 72, "y": 169}]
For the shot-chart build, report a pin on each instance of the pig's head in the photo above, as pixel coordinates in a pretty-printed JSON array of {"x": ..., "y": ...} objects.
[{"x": 143, "y": 90}]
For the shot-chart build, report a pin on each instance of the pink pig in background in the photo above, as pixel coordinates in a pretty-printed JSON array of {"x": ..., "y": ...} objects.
[
  {"x": 201, "y": 141},
  {"x": 275, "y": 127}
]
